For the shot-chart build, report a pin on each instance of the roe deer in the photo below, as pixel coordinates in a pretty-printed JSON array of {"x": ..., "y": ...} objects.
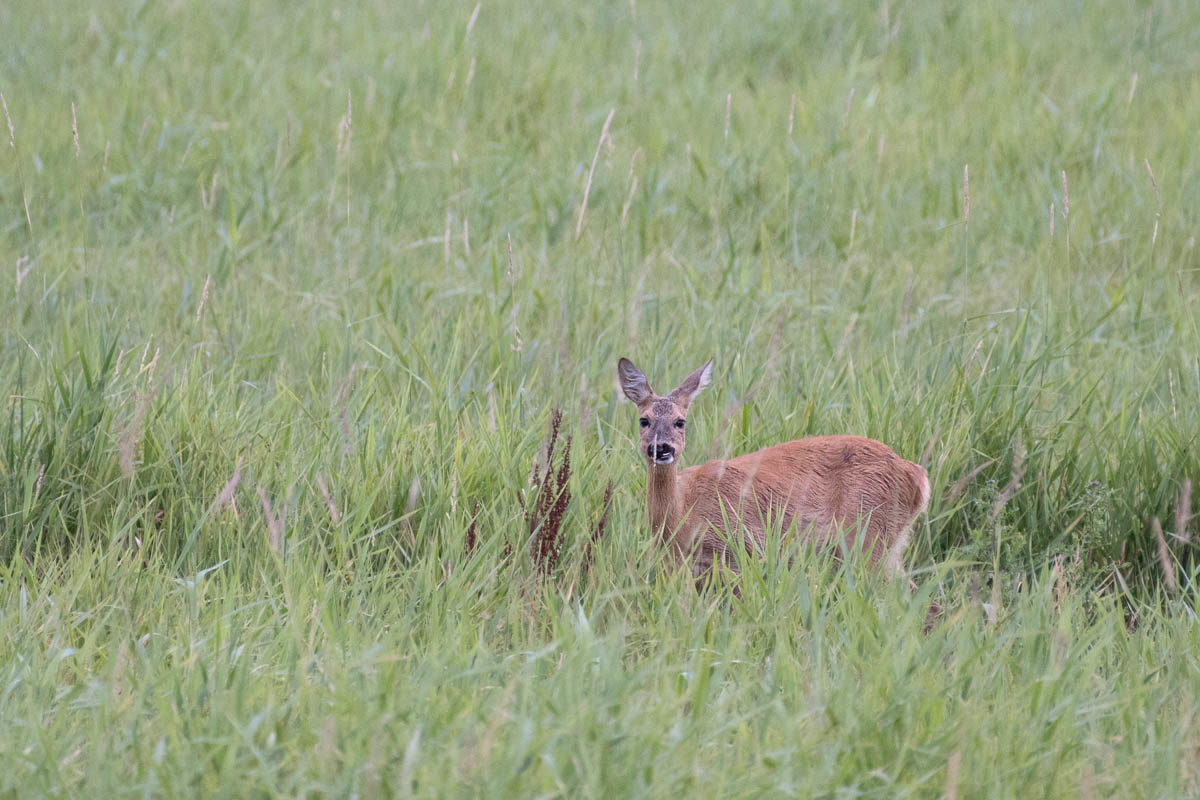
[{"x": 824, "y": 486}]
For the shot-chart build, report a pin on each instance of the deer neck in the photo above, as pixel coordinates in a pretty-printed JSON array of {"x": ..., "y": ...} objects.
[{"x": 664, "y": 498}]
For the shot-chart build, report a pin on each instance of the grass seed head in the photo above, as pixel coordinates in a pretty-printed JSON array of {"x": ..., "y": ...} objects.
[
  {"x": 224, "y": 498},
  {"x": 274, "y": 527},
  {"x": 203, "y": 297},
  {"x": 334, "y": 515},
  {"x": 587, "y": 186}
]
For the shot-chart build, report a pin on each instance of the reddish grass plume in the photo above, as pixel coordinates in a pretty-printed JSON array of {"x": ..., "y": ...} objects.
[{"x": 546, "y": 510}]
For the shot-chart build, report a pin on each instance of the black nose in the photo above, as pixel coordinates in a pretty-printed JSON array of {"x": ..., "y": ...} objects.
[{"x": 663, "y": 450}]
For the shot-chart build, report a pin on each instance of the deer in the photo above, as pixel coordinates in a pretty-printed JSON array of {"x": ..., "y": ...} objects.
[{"x": 826, "y": 489}]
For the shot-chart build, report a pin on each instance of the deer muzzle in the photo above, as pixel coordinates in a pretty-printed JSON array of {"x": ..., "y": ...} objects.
[{"x": 661, "y": 453}]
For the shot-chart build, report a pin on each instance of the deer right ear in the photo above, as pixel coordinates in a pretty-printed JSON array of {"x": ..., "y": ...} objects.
[
  {"x": 686, "y": 392},
  {"x": 633, "y": 382}
]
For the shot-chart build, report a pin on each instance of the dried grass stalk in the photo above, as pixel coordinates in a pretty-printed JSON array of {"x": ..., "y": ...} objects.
[
  {"x": 966, "y": 195},
  {"x": 12, "y": 136},
  {"x": 75, "y": 132},
  {"x": 953, "y": 765},
  {"x": 587, "y": 186},
  {"x": 471, "y": 21},
  {"x": 1164, "y": 557},
  {"x": 1183, "y": 512},
  {"x": 959, "y": 487},
  {"x": 410, "y": 505}
]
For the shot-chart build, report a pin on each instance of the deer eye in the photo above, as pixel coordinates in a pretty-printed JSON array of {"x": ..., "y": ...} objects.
[
  {"x": 679, "y": 424},
  {"x": 645, "y": 423}
]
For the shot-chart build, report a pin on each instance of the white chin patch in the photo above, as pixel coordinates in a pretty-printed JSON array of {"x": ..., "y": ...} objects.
[{"x": 664, "y": 460}]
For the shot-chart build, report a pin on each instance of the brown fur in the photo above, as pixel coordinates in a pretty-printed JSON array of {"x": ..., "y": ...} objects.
[{"x": 819, "y": 488}]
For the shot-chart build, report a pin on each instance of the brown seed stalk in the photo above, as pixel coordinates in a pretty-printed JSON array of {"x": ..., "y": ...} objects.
[{"x": 545, "y": 513}]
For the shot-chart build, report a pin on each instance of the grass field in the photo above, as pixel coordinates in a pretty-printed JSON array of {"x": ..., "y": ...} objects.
[{"x": 290, "y": 291}]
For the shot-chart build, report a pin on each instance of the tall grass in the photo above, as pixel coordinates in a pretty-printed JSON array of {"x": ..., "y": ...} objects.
[{"x": 287, "y": 306}]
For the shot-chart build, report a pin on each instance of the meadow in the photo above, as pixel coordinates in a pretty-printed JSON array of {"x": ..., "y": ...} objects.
[{"x": 291, "y": 293}]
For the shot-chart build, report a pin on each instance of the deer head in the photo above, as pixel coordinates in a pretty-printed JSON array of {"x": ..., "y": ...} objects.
[{"x": 663, "y": 419}]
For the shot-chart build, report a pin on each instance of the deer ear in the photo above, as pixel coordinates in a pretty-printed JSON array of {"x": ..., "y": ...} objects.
[
  {"x": 633, "y": 382},
  {"x": 686, "y": 392}
]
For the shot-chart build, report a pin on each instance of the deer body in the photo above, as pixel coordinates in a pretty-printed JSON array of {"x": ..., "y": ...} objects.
[{"x": 819, "y": 488}]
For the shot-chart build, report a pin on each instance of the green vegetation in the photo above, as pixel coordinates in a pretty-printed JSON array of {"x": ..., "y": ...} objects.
[{"x": 289, "y": 294}]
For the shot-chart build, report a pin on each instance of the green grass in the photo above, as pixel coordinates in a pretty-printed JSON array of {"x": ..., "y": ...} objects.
[{"x": 364, "y": 330}]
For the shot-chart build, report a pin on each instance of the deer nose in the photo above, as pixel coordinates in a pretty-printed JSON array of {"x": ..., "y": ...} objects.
[{"x": 660, "y": 451}]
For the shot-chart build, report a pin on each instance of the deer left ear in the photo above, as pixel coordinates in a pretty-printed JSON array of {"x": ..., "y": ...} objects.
[
  {"x": 686, "y": 392},
  {"x": 633, "y": 382}
]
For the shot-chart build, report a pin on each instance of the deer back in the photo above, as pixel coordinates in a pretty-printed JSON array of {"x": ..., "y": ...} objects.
[{"x": 818, "y": 488}]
